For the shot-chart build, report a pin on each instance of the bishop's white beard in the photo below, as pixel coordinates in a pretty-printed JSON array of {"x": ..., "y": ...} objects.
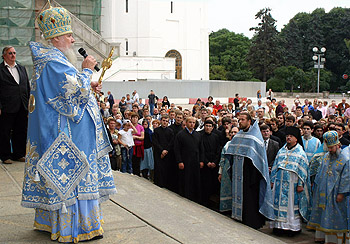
[
  {"x": 336, "y": 154},
  {"x": 69, "y": 53},
  {"x": 71, "y": 56}
]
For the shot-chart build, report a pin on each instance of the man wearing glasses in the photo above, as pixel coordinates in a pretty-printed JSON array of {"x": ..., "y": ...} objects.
[
  {"x": 340, "y": 128},
  {"x": 14, "y": 94}
]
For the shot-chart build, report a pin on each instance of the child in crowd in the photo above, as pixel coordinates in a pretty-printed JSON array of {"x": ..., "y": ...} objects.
[{"x": 125, "y": 139}]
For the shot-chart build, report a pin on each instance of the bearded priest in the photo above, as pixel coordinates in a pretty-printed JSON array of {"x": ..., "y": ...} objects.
[{"x": 67, "y": 170}]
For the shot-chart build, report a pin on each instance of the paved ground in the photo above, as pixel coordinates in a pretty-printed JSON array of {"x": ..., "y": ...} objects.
[{"x": 140, "y": 213}]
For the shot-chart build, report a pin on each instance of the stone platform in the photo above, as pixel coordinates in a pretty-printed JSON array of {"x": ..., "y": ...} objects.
[{"x": 140, "y": 213}]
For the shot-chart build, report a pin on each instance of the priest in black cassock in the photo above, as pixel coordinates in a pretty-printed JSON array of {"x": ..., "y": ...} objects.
[
  {"x": 209, "y": 172},
  {"x": 163, "y": 143},
  {"x": 250, "y": 182},
  {"x": 189, "y": 154}
]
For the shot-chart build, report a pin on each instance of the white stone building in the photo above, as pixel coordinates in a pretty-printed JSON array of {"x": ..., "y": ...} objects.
[{"x": 159, "y": 39}]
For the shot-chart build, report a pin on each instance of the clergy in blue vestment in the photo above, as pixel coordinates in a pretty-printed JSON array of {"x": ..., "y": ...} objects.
[
  {"x": 224, "y": 177},
  {"x": 331, "y": 186},
  {"x": 250, "y": 184},
  {"x": 290, "y": 185},
  {"x": 225, "y": 181},
  {"x": 311, "y": 144},
  {"x": 67, "y": 171}
]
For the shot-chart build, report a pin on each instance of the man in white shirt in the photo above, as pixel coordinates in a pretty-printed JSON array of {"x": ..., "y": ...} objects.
[
  {"x": 135, "y": 96},
  {"x": 14, "y": 96}
]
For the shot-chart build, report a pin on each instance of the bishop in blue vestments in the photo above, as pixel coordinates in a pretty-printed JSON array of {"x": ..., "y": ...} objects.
[
  {"x": 331, "y": 186},
  {"x": 67, "y": 171}
]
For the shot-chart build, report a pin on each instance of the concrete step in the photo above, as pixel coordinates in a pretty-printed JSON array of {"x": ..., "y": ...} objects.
[{"x": 140, "y": 213}]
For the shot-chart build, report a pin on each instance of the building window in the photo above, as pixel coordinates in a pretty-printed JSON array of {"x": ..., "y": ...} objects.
[
  {"x": 126, "y": 47},
  {"x": 178, "y": 62},
  {"x": 171, "y": 7},
  {"x": 127, "y": 6}
]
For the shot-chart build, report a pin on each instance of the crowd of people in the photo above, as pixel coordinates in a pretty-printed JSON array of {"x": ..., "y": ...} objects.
[
  {"x": 265, "y": 162},
  {"x": 214, "y": 149}
]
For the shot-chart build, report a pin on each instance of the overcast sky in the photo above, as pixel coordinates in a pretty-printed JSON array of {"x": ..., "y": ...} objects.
[{"x": 239, "y": 15}]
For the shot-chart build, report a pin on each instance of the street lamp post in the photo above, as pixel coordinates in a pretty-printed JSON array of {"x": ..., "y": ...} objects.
[{"x": 319, "y": 63}]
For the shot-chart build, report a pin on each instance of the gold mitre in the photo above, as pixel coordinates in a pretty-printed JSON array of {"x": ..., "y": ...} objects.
[{"x": 54, "y": 22}]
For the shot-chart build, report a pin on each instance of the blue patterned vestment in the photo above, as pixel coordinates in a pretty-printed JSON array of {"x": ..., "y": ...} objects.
[
  {"x": 290, "y": 162},
  {"x": 249, "y": 144},
  {"x": 310, "y": 146},
  {"x": 314, "y": 163},
  {"x": 67, "y": 166},
  {"x": 333, "y": 178},
  {"x": 225, "y": 187}
]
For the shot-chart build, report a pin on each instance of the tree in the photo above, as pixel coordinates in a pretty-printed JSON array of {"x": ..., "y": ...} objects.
[
  {"x": 229, "y": 50},
  {"x": 319, "y": 29},
  {"x": 337, "y": 54},
  {"x": 217, "y": 72},
  {"x": 275, "y": 84},
  {"x": 299, "y": 36},
  {"x": 265, "y": 53},
  {"x": 291, "y": 76},
  {"x": 325, "y": 78}
]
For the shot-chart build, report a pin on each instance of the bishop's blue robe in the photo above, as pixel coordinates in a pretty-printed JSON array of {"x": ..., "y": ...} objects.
[
  {"x": 333, "y": 178},
  {"x": 67, "y": 170},
  {"x": 249, "y": 145},
  {"x": 290, "y": 170}
]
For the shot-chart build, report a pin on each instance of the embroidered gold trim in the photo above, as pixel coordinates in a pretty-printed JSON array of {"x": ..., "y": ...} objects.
[
  {"x": 80, "y": 237},
  {"x": 315, "y": 226},
  {"x": 31, "y": 104}
]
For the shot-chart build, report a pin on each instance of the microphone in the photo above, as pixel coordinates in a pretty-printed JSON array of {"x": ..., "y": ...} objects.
[{"x": 84, "y": 54}]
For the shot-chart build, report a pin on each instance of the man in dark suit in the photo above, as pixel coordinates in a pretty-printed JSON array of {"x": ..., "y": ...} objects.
[
  {"x": 14, "y": 95},
  {"x": 271, "y": 146},
  {"x": 111, "y": 101}
]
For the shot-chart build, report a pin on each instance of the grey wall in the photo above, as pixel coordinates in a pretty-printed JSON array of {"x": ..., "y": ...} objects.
[{"x": 185, "y": 88}]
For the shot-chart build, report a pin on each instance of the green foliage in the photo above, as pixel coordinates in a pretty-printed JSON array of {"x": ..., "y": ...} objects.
[
  {"x": 265, "y": 54},
  {"x": 284, "y": 59},
  {"x": 292, "y": 78},
  {"x": 275, "y": 84},
  {"x": 305, "y": 31},
  {"x": 217, "y": 72},
  {"x": 228, "y": 53},
  {"x": 347, "y": 43}
]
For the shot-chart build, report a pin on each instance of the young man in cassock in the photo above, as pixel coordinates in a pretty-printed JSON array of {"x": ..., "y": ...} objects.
[
  {"x": 174, "y": 168},
  {"x": 251, "y": 192},
  {"x": 331, "y": 185},
  {"x": 177, "y": 126},
  {"x": 290, "y": 185},
  {"x": 163, "y": 143},
  {"x": 189, "y": 153},
  {"x": 311, "y": 144},
  {"x": 209, "y": 172}
]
